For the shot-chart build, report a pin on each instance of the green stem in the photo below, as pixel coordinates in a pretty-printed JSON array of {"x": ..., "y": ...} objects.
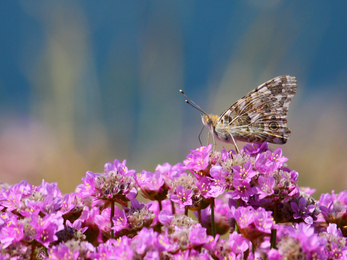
[
  {"x": 212, "y": 218},
  {"x": 112, "y": 215},
  {"x": 237, "y": 229},
  {"x": 274, "y": 231},
  {"x": 273, "y": 238}
]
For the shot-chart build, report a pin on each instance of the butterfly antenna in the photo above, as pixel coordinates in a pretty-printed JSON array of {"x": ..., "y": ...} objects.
[{"x": 192, "y": 103}]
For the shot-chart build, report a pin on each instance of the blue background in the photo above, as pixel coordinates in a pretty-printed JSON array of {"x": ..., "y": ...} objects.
[{"x": 84, "y": 82}]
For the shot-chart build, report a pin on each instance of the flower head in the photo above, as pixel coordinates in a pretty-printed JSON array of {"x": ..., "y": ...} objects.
[
  {"x": 198, "y": 159},
  {"x": 301, "y": 210},
  {"x": 115, "y": 184},
  {"x": 182, "y": 197}
]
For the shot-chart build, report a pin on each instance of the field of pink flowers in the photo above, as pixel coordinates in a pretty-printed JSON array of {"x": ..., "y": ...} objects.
[{"x": 246, "y": 206}]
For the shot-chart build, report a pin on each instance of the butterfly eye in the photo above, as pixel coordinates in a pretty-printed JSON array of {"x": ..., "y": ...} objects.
[
  {"x": 273, "y": 118},
  {"x": 273, "y": 126}
]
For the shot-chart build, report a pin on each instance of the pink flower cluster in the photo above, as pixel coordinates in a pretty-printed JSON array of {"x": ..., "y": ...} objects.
[{"x": 245, "y": 206}]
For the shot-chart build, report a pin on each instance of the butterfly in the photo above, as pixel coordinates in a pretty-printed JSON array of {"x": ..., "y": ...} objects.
[{"x": 260, "y": 116}]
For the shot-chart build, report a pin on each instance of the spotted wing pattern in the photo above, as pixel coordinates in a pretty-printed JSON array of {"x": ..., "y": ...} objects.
[{"x": 261, "y": 115}]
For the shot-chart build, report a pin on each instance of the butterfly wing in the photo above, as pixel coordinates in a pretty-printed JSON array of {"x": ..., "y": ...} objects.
[{"x": 261, "y": 115}]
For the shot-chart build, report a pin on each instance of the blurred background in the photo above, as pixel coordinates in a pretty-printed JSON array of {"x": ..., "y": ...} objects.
[{"x": 85, "y": 82}]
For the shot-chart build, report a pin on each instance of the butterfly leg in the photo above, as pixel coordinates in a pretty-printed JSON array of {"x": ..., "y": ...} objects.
[
  {"x": 236, "y": 147},
  {"x": 213, "y": 140},
  {"x": 200, "y": 135}
]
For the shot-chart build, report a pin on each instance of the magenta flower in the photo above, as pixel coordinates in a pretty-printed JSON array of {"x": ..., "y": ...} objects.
[
  {"x": 302, "y": 211},
  {"x": 166, "y": 206},
  {"x": 336, "y": 243},
  {"x": 63, "y": 251},
  {"x": 47, "y": 227},
  {"x": 244, "y": 216},
  {"x": 266, "y": 186},
  {"x": 171, "y": 172},
  {"x": 11, "y": 199},
  {"x": 119, "y": 220},
  {"x": 182, "y": 197},
  {"x": 334, "y": 206},
  {"x": 217, "y": 172},
  {"x": 119, "y": 167},
  {"x": 198, "y": 159},
  {"x": 166, "y": 243},
  {"x": 31, "y": 207},
  {"x": 47, "y": 188},
  {"x": 238, "y": 243},
  {"x": 165, "y": 217},
  {"x": 114, "y": 249},
  {"x": 67, "y": 202},
  {"x": 244, "y": 173},
  {"x": 152, "y": 185},
  {"x": 275, "y": 159},
  {"x": 139, "y": 215},
  {"x": 261, "y": 164},
  {"x": 88, "y": 187},
  {"x": 77, "y": 224},
  {"x": 263, "y": 220},
  {"x": 253, "y": 149},
  {"x": 103, "y": 220},
  {"x": 117, "y": 184},
  {"x": 311, "y": 243},
  {"x": 211, "y": 244},
  {"x": 225, "y": 155},
  {"x": 198, "y": 236},
  {"x": 146, "y": 240},
  {"x": 242, "y": 190},
  {"x": 274, "y": 254},
  {"x": 208, "y": 188},
  {"x": 12, "y": 232},
  {"x": 71, "y": 250},
  {"x": 51, "y": 204}
]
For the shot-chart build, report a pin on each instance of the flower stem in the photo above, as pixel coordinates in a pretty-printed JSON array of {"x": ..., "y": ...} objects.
[
  {"x": 238, "y": 202},
  {"x": 237, "y": 227},
  {"x": 212, "y": 218},
  {"x": 33, "y": 248},
  {"x": 273, "y": 230},
  {"x": 173, "y": 208},
  {"x": 273, "y": 238},
  {"x": 112, "y": 215},
  {"x": 160, "y": 205}
]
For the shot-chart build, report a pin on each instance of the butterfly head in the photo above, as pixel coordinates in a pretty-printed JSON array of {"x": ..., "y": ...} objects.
[{"x": 209, "y": 121}]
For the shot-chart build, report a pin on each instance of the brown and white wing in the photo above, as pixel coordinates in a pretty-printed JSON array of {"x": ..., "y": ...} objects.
[{"x": 261, "y": 115}]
